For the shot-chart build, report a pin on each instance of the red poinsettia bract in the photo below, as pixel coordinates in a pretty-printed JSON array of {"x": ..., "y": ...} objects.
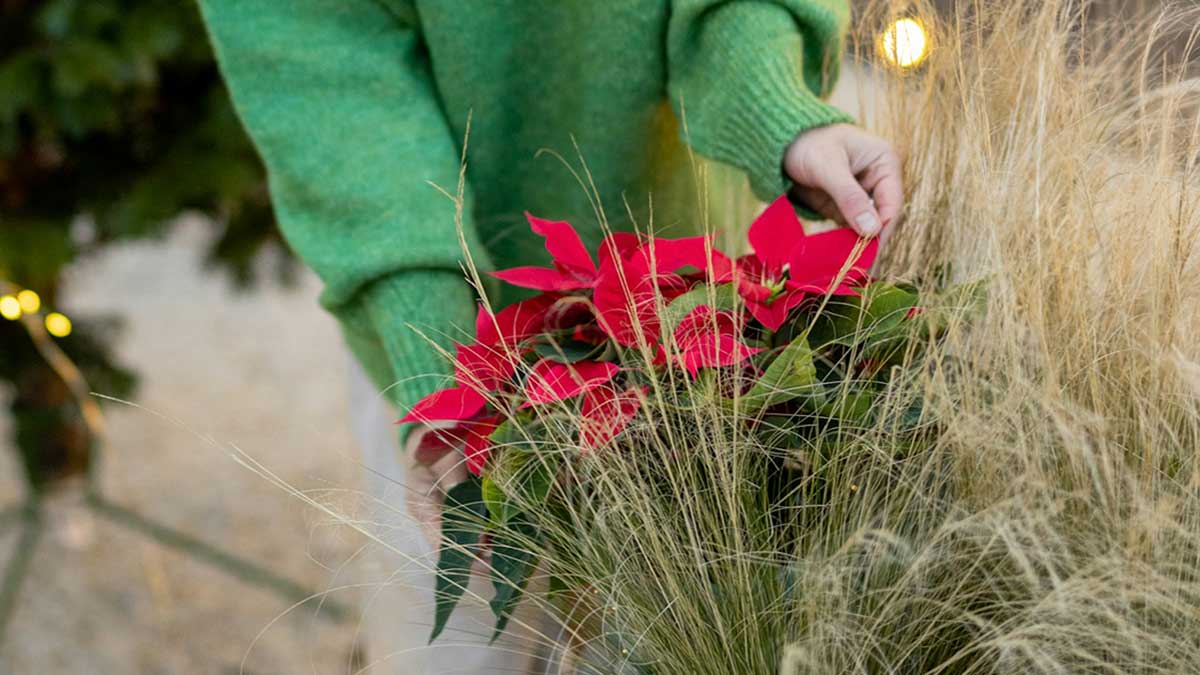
[
  {"x": 481, "y": 368},
  {"x": 787, "y": 264},
  {"x": 630, "y": 284},
  {"x": 606, "y": 412},
  {"x": 550, "y": 381},
  {"x": 707, "y": 338},
  {"x": 615, "y": 297}
]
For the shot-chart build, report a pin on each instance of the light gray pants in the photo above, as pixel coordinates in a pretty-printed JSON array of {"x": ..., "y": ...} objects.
[{"x": 398, "y": 599}]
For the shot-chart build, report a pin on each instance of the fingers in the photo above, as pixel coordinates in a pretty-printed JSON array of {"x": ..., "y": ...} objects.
[
  {"x": 884, "y": 184},
  {"x": 449, "y": 471},
  {"x": 427, "y": 445},
  {"x": 433, "y": 466},
  {"x": 423, "y": 501},
  {"x": 818, "y": 201},
  {"x": 427, "y": 513},
  {"x": 848, "y": 174},
  {"x": 883, "y": 180},
  {"x": 426, "y": 493},
  {"x": 835, "y": 178}
]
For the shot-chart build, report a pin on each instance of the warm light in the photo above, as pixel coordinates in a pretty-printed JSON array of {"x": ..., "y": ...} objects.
[
  {"x": 10, "y": 308},
  {"x": 30, "y": 302},
  {"x": 58, "y": 325},
  {"x": 905, "y": 43}
]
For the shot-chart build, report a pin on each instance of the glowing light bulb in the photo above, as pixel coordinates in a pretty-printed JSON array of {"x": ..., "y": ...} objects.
[
  {"x": 30, "y": 301},
  {"x": 905, "y": 43},
  {"x": 10, "y": 308},
  {"x": 58, "y": 325}
]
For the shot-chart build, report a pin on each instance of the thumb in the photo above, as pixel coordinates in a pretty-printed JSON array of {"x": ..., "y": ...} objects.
[{"x": 852, "y": 200}]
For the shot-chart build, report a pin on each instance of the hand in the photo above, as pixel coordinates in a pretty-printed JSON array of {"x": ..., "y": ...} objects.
[
  {"x": 847, "y": 175},
  {"x": 433, "y": 465}
]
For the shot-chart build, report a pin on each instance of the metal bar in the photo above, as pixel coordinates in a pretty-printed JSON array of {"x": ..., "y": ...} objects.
[
  {"x": 18, "y": 566},
  {"x": 234, "y": 565}
]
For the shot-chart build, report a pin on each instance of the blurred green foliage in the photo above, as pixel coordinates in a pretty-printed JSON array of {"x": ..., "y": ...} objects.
[
  {"x": 113, "y": 120},
  {"x": 50, "y": 432},
  {"x": 114, "y": 110}
]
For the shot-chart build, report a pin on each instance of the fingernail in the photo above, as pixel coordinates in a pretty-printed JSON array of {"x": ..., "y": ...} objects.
[{"x": 868, "y": 224}]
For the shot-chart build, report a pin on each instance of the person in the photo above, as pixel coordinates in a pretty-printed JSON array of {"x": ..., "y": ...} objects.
[{"x": 360, "y": 108}]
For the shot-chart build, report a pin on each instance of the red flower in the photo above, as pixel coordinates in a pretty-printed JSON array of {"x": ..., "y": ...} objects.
[
  {"x": 573, "y": 267},
  {"x": 478, "y": 446},
  {"x": 455, "y": 404},
  {"x": 773, "y": 235},
  {"x": 437, "y": 443},
  {"x": 815, "y": 264},
  {"x": 709, "y": 339},
  {"x": 767, "y": 296},
  {"x": 787, "y": 264},
  {"x": 633, "y": 277},
  {"x": 605, "y": 413},
  {"x": 617, "y": 246},
  {"x": 471, "y": 438},
  {"x": 550, "y": 381},
  {"x": 487, "y": 364},
  {"x": 517, "y": 322}
]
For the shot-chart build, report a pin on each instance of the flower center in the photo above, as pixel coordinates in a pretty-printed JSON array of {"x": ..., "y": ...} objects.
[{"x": 776, "y": 286}]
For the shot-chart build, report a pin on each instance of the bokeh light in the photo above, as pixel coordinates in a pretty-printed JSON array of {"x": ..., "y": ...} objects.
[
  {"x": 58, "y": 325},
  {"x": 30, "y": 301},
  {"x": 10, "y": 307},
  {"x": 905, "y": 43}
]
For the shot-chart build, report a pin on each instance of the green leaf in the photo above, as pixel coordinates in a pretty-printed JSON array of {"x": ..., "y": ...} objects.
[
  {"x": 20, "y": 82},
  {"x": 526, "y": 478},
  {"x": 791, "y": 375},
  {"x": 512, "y": 563},
  {"x": 55, "y": 16},
  {"x": 963, "y": 301},
  {"x": 864, "y": 320},
  {"x": 571, "y": 351},
  {"x": 463, "y": 511},
  {"x": 495, "y": 499},
  {"x": 837, "y": 323},
  {"x": 721, "y": 298},
  {"x": 887, "y": 306},
  {"x": 913, "y": 415},
  {"x": 81, "y": 64},
  {"x": 152, "y": 30},
  {"x": 534, "y": 478},
  {"x": 854, "y": 405},
  {"x": 514, "y": 434}
]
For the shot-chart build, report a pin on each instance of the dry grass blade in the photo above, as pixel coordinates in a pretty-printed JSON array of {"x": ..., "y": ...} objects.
[{"x": 1053, "y": 523}]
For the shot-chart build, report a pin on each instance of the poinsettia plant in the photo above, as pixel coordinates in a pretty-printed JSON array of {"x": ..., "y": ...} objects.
[{"x": 795, "y": 330}]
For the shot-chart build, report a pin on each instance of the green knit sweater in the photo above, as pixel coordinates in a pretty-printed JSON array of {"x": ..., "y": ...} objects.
[{"x": 358, "y": 106}]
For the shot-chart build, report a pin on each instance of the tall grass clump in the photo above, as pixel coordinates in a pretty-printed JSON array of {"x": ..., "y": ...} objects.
[{"x": 1023, "y": 496}]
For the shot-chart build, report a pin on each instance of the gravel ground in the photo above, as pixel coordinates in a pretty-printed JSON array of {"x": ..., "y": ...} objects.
[{"x": 263, "y": 370}]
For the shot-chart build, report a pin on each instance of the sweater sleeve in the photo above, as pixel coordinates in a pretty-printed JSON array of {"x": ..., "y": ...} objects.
[
  {"x": 339, "y": 100},
  {"x": 749, "y": 75}
]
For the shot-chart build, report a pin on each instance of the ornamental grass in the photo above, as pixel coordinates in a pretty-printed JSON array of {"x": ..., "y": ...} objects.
[{"x": 1017, "y": 491}]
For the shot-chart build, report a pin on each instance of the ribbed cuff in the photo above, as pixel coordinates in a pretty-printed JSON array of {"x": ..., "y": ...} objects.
[
  {"x": 417, "y": 315},
  {"x": 748, "y": 78},
  {"x": 759, "y": 131}
]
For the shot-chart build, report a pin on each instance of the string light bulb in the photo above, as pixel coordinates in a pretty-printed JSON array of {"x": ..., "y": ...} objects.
[
  {"x": 10, "y": 307},
  {"x": 905, "y": 43},
  {"x": 30, "y": 301},
  {"x": 58, "y": 325}
]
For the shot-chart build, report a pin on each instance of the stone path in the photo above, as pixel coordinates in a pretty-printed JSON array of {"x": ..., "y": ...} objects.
[{"x": 263, "y": 370}]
